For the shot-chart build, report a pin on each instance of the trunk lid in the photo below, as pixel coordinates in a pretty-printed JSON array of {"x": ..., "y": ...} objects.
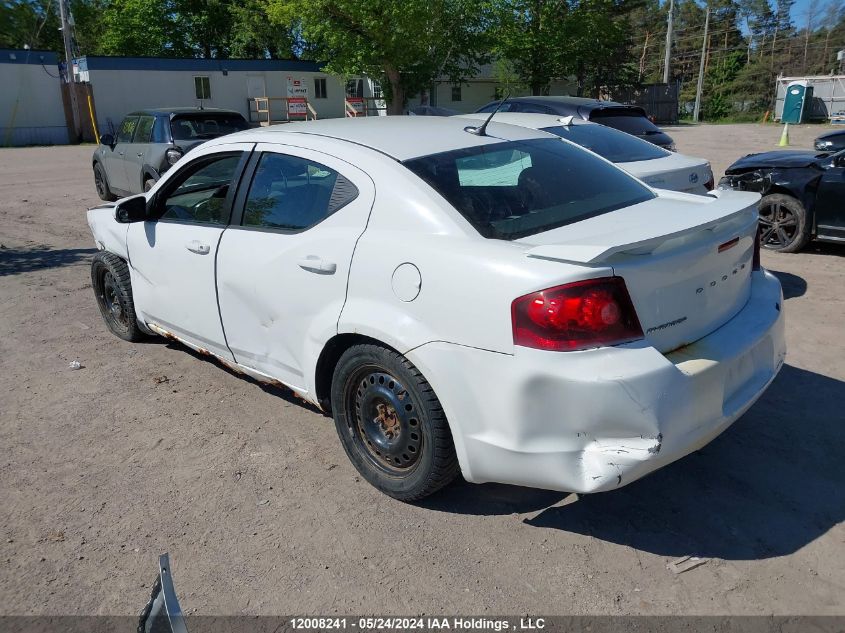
[
  {"x": 675, "y": 172},
  {"x": 686, "y": 260}
]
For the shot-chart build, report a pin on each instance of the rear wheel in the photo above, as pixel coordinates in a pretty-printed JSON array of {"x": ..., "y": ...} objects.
[
  {"x": 783, "y": 223},
  {"x": 113, "y": 290},
  {"x": 102, "y": 184},
  {"x": 391, "y": 423}
]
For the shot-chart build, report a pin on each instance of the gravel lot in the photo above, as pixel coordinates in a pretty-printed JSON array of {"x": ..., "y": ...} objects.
[{"x": 150, "y": 448}]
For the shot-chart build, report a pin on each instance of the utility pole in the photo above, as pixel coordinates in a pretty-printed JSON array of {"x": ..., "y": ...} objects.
[
  {"x": 668, "y": 42},
  {"x": 68, "y": 42},
  {"x": 701, "y": 67}
]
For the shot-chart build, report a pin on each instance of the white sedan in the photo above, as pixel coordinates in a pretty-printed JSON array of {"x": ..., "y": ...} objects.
[
  {"x": 491, "y": 302},
  {"x": 653, "y": 165}
]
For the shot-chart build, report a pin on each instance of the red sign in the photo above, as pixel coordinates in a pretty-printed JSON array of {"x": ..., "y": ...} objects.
[
  {"x": 297, "y": 106},
  {"x": 357, "y": 104}
]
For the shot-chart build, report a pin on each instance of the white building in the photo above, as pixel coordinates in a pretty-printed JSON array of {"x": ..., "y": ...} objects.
[{"x": 31, "y": 110}]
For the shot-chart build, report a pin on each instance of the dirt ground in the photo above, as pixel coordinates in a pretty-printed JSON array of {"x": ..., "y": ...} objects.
[{"x": 149, "y": 448}]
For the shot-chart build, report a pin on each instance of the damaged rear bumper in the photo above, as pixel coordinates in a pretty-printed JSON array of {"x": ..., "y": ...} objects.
[{"x": 595, "y": 420}]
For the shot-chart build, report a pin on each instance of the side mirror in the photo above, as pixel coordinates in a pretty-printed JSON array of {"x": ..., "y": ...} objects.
[
  {"x": 107, "y": 139},
  {"x": 132, "y": 209}
]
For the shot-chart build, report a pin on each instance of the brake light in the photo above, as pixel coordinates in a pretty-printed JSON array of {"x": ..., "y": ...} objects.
[
  {"x": 755, "y": 261},
  {"x": 580, "y": 315}
]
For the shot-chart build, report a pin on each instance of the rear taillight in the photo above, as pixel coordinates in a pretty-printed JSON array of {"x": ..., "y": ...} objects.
[
  {"x": 580, "y": 315},
  {"x": 755, "y": 261}
]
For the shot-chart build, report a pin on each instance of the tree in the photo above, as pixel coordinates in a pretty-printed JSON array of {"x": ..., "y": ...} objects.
[
  {"x": 532, "y": 36},
  {"x": 409, "y": 44}
]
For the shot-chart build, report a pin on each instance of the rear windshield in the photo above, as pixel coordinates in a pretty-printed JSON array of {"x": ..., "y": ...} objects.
[
  {"x": 615, "y": 146},
  {"x": 630, "y": 121},
  {"x": 187, "y": 127},
  {"x": 518, "y": 188}
]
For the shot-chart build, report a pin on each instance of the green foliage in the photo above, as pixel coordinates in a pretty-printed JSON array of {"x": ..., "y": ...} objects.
[{"x": 409, "y": 43}]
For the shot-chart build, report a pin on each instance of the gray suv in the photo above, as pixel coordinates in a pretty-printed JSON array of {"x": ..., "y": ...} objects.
[{"x": 150, "y": 141}]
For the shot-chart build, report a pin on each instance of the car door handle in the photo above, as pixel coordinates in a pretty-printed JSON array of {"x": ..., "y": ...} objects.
[
  {"x": 316, "y": 264},
  {"x": 195, "y": 246}
]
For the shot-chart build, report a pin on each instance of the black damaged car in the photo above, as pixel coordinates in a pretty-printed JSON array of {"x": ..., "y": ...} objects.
[{"x": 803, "y": 195}]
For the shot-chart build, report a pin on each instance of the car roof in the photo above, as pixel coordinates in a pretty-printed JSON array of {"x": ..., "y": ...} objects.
[
  {"x": 529, "y": 119},
  {"x": 181, "y": 110},
  {"x": 567, "y": 100},
  {"x": 400, "y": 137}
]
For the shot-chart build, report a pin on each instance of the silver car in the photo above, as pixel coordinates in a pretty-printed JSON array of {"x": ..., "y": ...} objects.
[{"x": 150, "y": 141}]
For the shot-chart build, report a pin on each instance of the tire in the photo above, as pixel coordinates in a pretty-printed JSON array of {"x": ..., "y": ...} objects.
[
  {"x": 391, "y": 424},
  {"x": 113, "y": 291},
  {"x": 783, "y": 224},
  {"x": 102, "y": 184},
  {"x": 149, "y": 183}
]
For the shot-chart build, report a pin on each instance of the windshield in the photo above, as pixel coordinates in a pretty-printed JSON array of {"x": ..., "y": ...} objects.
[
  {"x": 203, "y": 125},
  {"x": 630, "y": 121},
  {"x": 615, "y": 146},
  {"x": 518, "y": 188}
]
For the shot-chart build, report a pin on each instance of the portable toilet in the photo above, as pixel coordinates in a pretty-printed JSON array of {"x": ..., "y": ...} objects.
[{"x": 797, "y": 101}]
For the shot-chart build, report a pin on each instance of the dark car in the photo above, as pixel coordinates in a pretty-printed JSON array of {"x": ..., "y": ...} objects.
[
  {"x": 803, "y": 195},
  {"x": 627, "y": 118},
  {"x": 831, "y": 142},
  {"x": 150, "y": 141}
]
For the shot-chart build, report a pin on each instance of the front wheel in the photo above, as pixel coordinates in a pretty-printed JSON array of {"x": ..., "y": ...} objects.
[
  {"x": 102, "y": 184},
  {"x": 113, "y": 290},
  {"x": 783, "y": 223},
  {"x": 391, "y": 424}
]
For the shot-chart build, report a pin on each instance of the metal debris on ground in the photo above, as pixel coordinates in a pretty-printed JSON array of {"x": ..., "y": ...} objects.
[
  {"x": 263, "y": 502},
  {"x": 685, "y": 563},
  {"x": 74, "y": 364},
  {"x": 161, "y": 380}
]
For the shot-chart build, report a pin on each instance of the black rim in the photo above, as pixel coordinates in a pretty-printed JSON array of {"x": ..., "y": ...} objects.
[
  {"x": 111, "y": 301},
  {"x": 778, "y": 224},
  {"x": 384, "y": 421},
  {"x": 98, "y": 182}
]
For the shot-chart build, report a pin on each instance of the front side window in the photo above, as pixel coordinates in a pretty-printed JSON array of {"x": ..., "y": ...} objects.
[
  {"x": 615, "y": 146},
  {"x": 201, "y": 195},
  {"x": 518, "y": 188},
  {"x": 144, "y": 130},
  {"x": 292, "y": 194},
  {"x": 127, "y": 129}
]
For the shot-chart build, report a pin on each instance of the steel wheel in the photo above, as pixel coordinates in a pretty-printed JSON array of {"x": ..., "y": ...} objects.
[
  {"x": 111, "y": 300},
  {"x": 384, "y": 423}
]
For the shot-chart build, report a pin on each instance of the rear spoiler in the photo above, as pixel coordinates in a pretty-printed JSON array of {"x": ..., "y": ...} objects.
[{"x": 633, "y": 232}]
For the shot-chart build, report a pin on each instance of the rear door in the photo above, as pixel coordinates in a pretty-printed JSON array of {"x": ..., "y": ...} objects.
[
  {"x": 136, "y": 152},
  {"x": 282, "y": 267},
  {"x": 830, "y": 201},
  {"x": 172, "y": 257}
]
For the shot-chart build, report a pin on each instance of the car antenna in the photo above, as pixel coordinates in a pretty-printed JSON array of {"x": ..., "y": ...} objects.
[{"x": 481, "y": 130}]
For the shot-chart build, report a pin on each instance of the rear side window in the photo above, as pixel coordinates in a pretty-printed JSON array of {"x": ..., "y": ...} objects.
[
  {"x": 519, "y": 188},
  {"x": 292, "y": 194},
  {"x": 630, "y": 121},
  {"x": 615, "y": 146},
  {"x": 144, "y": 130},
  {"x": 127, "y": 129}
]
